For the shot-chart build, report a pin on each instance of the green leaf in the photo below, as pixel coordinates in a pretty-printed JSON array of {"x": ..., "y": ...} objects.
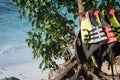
[{"x": 48, "y": 0}]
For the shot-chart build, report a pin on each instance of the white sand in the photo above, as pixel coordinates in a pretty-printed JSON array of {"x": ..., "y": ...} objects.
[
  {"x": 24, "y": 71},
  {"x": 17, "y": 61}
]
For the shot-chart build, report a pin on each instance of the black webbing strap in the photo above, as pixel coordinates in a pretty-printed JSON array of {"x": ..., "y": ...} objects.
[
  {"x": 111, "y": 63},
  {"x": 80, "y": 54}
]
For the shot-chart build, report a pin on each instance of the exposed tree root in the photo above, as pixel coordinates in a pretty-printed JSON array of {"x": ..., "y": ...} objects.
[{"x": 74, "y": 71}]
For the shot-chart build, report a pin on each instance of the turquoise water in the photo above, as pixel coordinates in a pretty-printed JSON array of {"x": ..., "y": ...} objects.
[
  {"x": 12, "y": 29},
  {"x": 13, "y": 48}
]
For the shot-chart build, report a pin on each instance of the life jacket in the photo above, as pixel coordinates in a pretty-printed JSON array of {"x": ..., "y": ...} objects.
[
  {"x": 82, "y": 50},
  {"x": 113, "y": 20},
  {"x": 110, "y": 42},
  {"x": 91, "y": 35},
  {"x": 115, "y": 24}
]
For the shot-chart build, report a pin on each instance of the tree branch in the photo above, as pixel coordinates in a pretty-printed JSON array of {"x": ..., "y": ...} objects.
[{"x": 81, "y": 7}]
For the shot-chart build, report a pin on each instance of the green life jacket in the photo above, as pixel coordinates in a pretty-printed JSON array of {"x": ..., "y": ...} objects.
[
  {"x": 113, "y": 20},
  {"x": 115, "y": 24}
]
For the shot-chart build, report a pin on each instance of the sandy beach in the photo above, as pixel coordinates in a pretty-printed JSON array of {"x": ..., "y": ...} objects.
[
  {"x": 24, "y": 71},
  {"x": 17, "y": 61}
]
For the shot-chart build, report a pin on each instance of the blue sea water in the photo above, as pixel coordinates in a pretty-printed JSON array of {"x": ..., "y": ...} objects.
[{"x": 13, "y": 32}]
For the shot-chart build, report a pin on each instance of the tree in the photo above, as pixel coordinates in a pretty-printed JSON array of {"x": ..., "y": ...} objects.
[{"x": 52, "y": 27}]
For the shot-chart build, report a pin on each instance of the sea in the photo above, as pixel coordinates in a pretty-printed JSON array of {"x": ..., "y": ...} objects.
[{"x": 13, "y": 33}]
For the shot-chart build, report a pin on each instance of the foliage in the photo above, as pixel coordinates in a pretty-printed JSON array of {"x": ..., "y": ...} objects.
[{"x": 52, "y": 30}]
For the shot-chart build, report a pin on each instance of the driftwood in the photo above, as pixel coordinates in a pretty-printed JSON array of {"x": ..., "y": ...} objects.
[{"x": 69, "y": 65}]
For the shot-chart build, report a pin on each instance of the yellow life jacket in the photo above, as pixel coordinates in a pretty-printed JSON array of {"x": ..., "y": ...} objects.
[{"x": 91, "y": 33}]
